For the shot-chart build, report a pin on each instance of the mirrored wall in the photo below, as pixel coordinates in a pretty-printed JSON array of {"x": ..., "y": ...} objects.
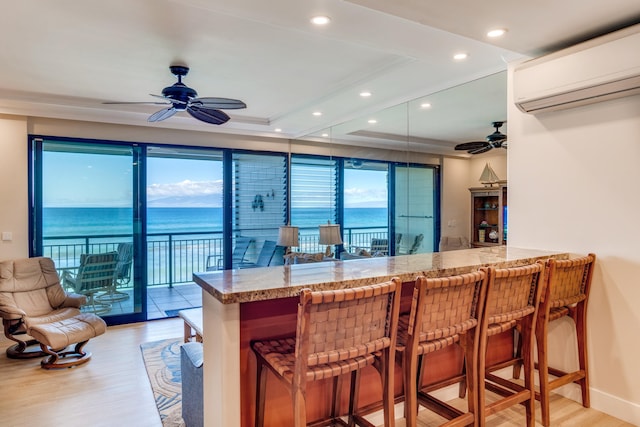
[{"x": 413, "y": 134}]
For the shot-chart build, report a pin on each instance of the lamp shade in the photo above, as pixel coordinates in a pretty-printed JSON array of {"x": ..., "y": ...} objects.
[
  {"x": 330, "y": 234},
  {"x": 288, "y": 236}
]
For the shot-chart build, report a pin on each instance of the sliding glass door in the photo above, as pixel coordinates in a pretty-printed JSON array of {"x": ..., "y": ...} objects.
[
  {"x": 85, "y": 203},
  {"x": 417, "y": 210},
  {"x": 164, "y": 212},
  {"x": 183, "y": 225},
  {"x": 366, "y": 213}
]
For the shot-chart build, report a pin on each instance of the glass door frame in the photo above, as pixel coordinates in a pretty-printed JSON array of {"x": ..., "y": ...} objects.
[
  {"x": 138, "y": 204},
  {"x": 436, "y": 200}
]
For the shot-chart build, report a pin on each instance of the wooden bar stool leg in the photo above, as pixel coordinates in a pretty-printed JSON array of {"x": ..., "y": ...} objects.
[
  {"x": 581, "y": 332},
  {"x": 481, "y": 399},
  {"x": 517, "y": 343},
  {"x": 543, "y": 370},
  {"x": 299, "y": 407},
  {"x": 462, "y": 388},
  {"x": 337, "y": 394},
  {"x": 354, "y": 390},
  {"x": 410, "y": 372},
  {"x": 528, "y": 336},
  {"x": 261, "y": 375},
  {"x": 470, "y": 347},
  {"x": 386, "y": 374}
]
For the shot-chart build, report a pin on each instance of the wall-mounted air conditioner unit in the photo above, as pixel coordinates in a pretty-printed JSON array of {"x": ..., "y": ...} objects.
[{"x": 603, "y": 68}]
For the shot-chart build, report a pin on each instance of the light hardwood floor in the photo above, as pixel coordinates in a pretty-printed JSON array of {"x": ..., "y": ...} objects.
[{"x": 112, "y": 389}]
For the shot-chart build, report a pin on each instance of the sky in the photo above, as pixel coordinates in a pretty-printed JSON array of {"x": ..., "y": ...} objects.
[{"x": 73, "y": 180}]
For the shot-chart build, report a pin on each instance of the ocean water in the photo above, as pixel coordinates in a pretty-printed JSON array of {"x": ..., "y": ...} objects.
[{"x": 66, "y": 222}]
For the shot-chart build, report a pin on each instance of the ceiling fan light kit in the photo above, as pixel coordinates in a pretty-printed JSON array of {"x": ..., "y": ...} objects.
[{"x": 181, "y": 97}]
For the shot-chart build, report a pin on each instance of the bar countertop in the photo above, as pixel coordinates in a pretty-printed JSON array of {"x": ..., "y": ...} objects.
[{"x": 257, "y": 284}]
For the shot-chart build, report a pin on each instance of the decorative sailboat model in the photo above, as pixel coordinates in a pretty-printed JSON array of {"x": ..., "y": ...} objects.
[{"x": 488, "y": 176}]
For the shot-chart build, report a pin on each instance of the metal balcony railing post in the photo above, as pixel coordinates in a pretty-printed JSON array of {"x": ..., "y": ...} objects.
[{"x": 170, "y": 261}]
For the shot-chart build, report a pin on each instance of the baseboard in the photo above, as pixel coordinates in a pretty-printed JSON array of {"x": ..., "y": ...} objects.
[{"x": 604, "y": 402}]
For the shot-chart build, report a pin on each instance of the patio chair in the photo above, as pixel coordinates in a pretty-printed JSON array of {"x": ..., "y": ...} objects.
[
  {"x": 264, "y": 257},
  {"x": 379, "y": 246},
  {"x": 97, "y": 273},
  {"x": 237, "y": 257},
  {"x": 278, "y": 256},
  {"x": 123, "y": 275},
  {"x": 417, "y": 242}
]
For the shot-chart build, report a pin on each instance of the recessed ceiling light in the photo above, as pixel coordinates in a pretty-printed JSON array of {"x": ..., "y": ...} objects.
[
  {"x": 460, "y": 56},
  {"x": 317, "y": 113},
  {"x": 496, "y": 32},
  {"x": 372, "y": 121},
  {"x": 320, "y": 20},
  {"x": 365, "y": 94},
  {"x": 425, "y": 105},
  {"x": 325, "y": 135},
  {"x": 278, "y": 130}
]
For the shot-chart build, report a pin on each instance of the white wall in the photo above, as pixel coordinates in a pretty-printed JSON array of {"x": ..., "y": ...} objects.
[
  {"x": 13, "y": 186},
  {"x": 574, "y": 180},
  {"x": 455, "y": 198},
  {"x": 497, "y": 158}
]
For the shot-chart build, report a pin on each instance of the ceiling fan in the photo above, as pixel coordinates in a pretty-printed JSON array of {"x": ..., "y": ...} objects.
[
  {"x": 180, "y": 97},
  {"x": 495, "y": 140}
]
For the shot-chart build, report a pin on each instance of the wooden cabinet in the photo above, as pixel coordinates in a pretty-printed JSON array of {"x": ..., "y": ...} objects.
[{"x": 488, "y": 216}]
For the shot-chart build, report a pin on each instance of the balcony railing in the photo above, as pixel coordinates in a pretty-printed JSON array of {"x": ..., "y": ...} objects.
[{"x": 173, "y": 257}]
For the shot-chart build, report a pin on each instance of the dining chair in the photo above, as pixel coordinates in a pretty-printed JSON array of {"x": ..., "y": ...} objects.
[{"x": 338, "y": 332}]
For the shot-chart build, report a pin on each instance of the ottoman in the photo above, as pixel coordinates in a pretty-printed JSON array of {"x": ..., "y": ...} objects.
[
  {"x": 55, "y": 337},
  {"x": 191, "y": 373}
]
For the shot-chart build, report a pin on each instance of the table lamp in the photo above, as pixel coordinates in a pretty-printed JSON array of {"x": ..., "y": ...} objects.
[
  {"x": 329, "y": 235},
  {"x": 287, "y": 237}
]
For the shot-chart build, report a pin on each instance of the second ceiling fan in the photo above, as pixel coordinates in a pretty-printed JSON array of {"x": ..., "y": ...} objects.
[{"x": 495, "y": 140}]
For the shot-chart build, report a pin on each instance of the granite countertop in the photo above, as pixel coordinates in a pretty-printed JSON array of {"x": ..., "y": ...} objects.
[{"x": 257, "y": 284}]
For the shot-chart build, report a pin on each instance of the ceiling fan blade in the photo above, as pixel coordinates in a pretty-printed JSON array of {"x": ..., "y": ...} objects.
[
  {"x": 481, "y": 150},
  {"x": 208, "y": 115},
  {"x": 132, "y": 103},
  {"x": 219, "y": 103},
  {"x": 162, "y": 114},
  {"x": 471, "y": 145},
  {"x": 171, "y": 100}
]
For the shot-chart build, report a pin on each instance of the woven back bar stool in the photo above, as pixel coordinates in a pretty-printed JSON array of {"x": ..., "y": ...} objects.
[
  {"x": 444, "y": 311},
  {"x": 566, "y": 295},
  {"x": 513, "y": 297},
  {"x": 338, "y": 332}
]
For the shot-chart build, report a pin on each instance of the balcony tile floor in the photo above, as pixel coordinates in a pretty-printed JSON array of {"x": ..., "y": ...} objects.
[{"x": 161, "y": 299}]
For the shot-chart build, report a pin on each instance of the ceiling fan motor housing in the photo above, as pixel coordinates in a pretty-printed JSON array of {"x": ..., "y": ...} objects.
[{"x": 180, "y": 92}]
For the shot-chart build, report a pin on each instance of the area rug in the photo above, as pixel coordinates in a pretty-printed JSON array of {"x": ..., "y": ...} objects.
[{"x": 162, "y": 360}]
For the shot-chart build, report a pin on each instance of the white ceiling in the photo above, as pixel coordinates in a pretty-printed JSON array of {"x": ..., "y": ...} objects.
[{"x": 64, "y": 58}]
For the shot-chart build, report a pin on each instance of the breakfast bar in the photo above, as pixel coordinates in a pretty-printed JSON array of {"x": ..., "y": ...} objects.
[{"x": 242, "y": 305}]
